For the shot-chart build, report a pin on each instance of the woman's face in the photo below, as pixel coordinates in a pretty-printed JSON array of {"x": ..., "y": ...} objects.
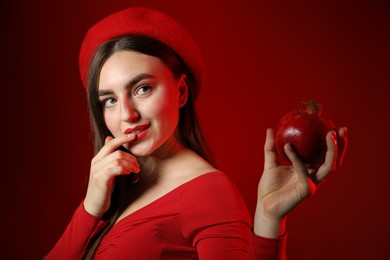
[{"x": 140, "y": 95}]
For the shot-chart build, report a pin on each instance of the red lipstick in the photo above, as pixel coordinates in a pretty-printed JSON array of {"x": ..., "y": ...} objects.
[{"x": 137, "y": 129}]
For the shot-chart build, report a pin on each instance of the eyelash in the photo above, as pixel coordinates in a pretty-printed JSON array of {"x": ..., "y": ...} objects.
[
  {"x": 104, "y": 101},
  {"x": 146, "y": 89}
]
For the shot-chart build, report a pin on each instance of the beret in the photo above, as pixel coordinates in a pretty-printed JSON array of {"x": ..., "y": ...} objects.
[{"x": 142, "y": 21}]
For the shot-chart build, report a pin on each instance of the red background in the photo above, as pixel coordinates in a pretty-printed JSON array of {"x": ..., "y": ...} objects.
[{"x": 262, "y": 58}]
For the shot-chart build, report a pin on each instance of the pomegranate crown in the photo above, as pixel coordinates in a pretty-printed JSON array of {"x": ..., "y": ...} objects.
[{"x": 312, "y": 107}]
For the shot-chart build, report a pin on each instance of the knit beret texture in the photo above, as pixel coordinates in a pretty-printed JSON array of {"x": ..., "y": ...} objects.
[{"x": 148, "y": 22}]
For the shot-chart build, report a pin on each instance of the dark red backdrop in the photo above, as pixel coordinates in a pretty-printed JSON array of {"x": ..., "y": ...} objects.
[{"x": 262, "y": 59}]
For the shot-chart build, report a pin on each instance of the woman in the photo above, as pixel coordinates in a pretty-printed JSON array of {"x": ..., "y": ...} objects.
[{"x": 153, "y": 192}]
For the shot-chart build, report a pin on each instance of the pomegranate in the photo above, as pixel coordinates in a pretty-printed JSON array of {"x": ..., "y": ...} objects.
[{"x": 306, "y": 131}]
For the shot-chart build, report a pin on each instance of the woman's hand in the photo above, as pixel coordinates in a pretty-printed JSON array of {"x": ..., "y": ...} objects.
[
  {"x": 282, "y": 188},
  {"x": 105, "y": 166}
]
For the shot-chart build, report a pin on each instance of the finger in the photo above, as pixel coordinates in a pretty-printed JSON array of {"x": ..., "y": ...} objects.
[
  {"x": 131, "y": 167},
  {"x": 297, "y": 163},
  {"x": 108, "y": 139},
  {"x": 342, "y": 143},
  {"x": 270, "y": 155},
  {"x": 114, "y": 166},
  {"x": 128, "y": 161},
  {"x": 115, "y": 143},
  {"x": 112, "y": 172},
  {"x": 330, "y": 157},
  {"x": 111, "y": 144},
  {"x": 119, "y": 158}
]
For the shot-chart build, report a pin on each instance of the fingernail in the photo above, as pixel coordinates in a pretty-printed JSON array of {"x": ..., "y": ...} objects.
[
  {"x": 133, "y": 136},
  {"x": 345, "y": 131},
  {"x": 334, "y": 136}
]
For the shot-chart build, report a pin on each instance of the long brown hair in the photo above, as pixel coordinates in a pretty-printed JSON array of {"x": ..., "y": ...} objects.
[{"x": 188, "y": 126}]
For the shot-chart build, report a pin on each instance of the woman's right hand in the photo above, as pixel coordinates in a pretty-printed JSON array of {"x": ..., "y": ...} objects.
[{"x": 105, "y": 166}]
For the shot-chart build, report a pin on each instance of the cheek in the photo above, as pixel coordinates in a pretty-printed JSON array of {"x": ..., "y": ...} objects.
[
  {"x": 167, "y": 111},
  {"x": 111, "y": 123}
]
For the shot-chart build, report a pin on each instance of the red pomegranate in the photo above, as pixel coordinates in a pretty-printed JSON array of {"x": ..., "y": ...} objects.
[{"x": 306, "y": 131}]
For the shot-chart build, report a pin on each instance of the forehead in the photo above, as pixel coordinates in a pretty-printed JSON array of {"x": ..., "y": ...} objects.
[{"x": 122, "y": 66}]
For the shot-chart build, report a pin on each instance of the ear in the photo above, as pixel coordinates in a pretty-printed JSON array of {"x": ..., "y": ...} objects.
[{"x": 183, "y": 90}]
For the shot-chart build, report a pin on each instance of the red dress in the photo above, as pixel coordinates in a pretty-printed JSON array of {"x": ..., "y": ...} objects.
[{"x": 205, "y": 218}]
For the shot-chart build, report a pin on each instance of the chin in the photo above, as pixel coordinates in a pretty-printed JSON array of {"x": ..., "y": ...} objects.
[{"x": 140, "y": 150}]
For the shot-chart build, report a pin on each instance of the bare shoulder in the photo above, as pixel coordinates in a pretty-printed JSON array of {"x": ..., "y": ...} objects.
[{"x": 191, "y": 165}]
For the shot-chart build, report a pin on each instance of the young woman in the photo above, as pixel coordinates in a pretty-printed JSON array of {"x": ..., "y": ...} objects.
[{"x": 153, "y": 191}]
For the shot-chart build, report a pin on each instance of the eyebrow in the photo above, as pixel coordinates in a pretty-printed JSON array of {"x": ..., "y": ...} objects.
[{"x": 130, "y": 84}]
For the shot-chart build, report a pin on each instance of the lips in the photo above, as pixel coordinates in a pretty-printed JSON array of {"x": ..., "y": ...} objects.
[{"x": 137, "y": 129}]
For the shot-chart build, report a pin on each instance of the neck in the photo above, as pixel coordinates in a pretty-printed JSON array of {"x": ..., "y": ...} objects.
[{"x": 162, "y": 160}]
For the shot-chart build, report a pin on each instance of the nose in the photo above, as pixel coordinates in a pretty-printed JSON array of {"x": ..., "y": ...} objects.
[{"x": 128, "y": 111}]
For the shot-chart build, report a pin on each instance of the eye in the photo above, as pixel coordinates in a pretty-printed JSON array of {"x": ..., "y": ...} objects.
[
  {"x": 108, "y": 102},
  {"x": 143, "y": 90}
]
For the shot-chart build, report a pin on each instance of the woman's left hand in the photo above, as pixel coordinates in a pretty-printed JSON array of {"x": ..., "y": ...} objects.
[{"x": 282, "y": 187}]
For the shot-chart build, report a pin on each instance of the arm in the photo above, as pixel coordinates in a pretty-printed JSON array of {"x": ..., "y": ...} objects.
[
  {"x": 72, "y": 243},
  {"x": 283, "y": 188},
  {"x": 268, "y": 248},
  {"x": 105, "y": 166},
  {"x": 235, "y": 241},
  {"x": 216, "y": 221}
]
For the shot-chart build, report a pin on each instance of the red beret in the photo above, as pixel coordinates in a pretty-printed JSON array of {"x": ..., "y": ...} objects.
[{"x": 142, "y": 21}]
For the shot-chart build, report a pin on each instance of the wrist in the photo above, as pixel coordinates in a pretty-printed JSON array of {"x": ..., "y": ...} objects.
[
  {"x": 268, "y": 226},
  {"x": 94, "y": 211}
]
